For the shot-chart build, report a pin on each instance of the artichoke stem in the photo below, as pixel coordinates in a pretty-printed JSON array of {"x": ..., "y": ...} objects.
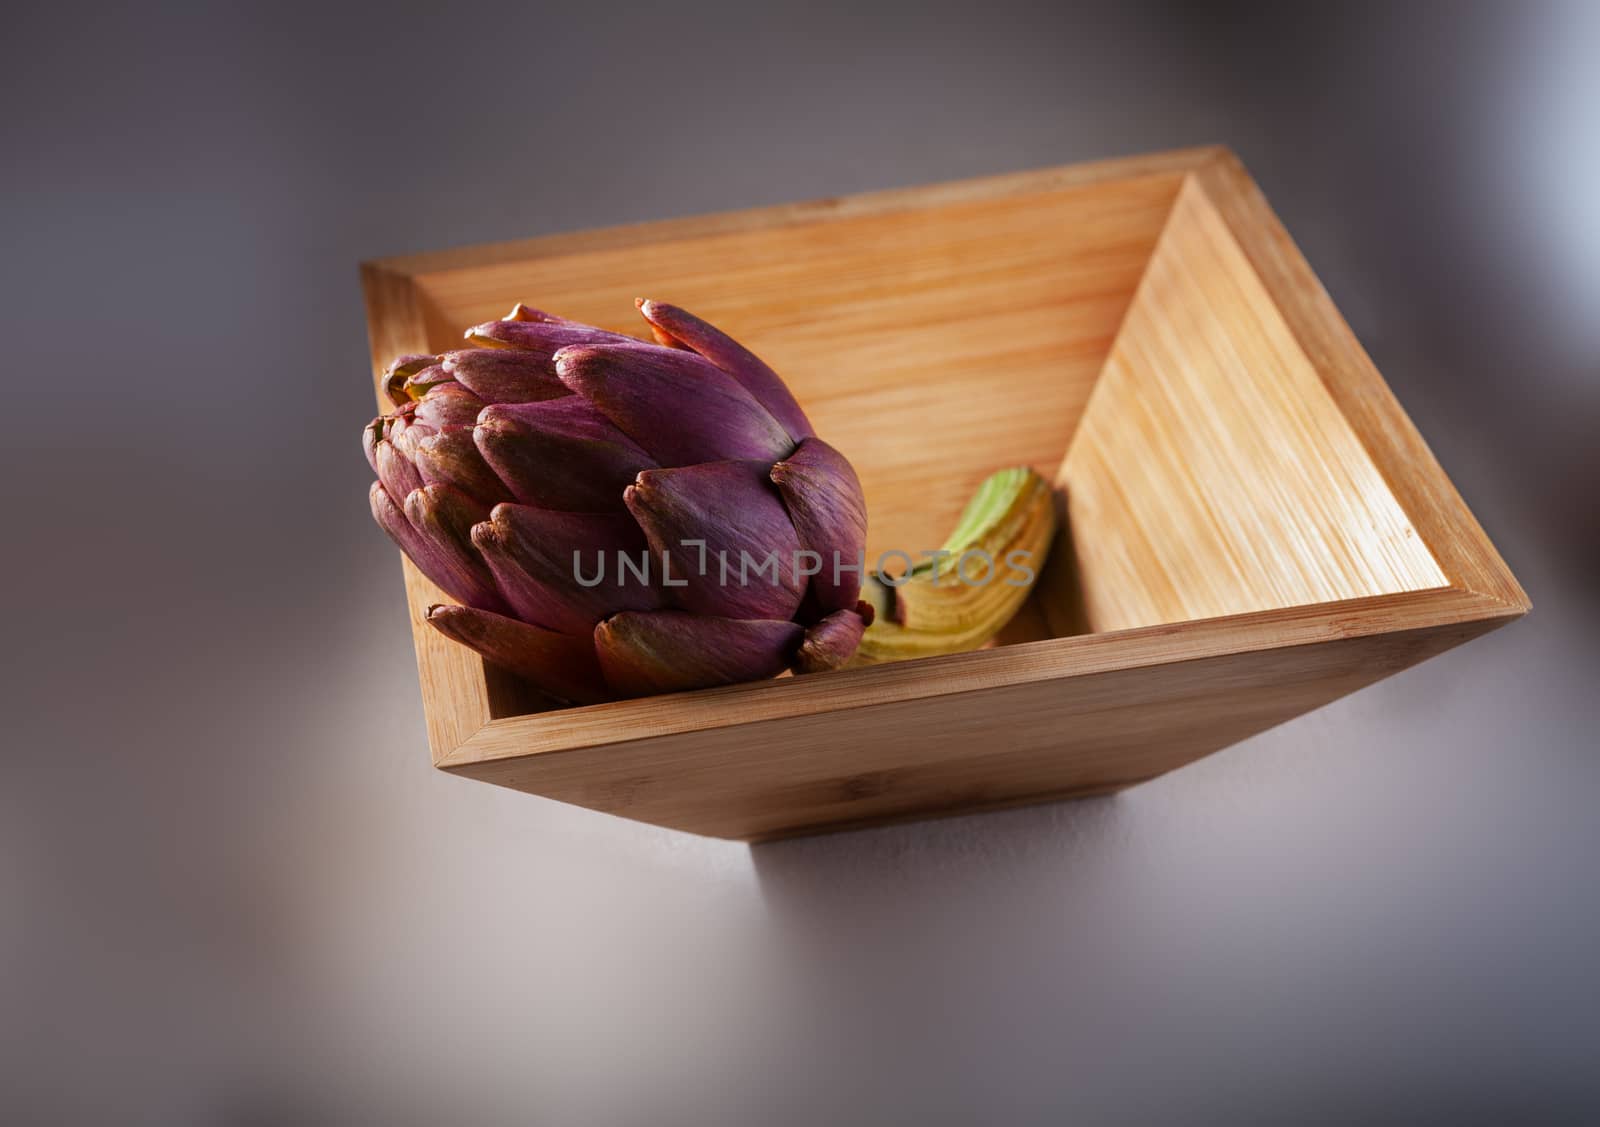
[{"x": 961, "y": 598}]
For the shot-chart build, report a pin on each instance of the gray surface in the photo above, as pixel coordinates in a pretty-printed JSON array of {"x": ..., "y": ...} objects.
[{"x": 233, "y": 892}]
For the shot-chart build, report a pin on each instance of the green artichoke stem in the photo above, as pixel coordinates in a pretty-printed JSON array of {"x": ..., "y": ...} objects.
[{"x": 960, "y": 598}]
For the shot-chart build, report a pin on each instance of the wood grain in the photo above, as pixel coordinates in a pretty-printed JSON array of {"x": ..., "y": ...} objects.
[
  {"x": 1212, "y": 473},
  {"x": 1419, "y": 483},
  {"x": 609, "y": 725},
  {"x": 884, "y": 761},
  {"x": 964, "y": 306},
  {"x": 1256, "y": 527}
]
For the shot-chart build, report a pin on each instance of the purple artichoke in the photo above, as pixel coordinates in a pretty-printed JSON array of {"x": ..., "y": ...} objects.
[{"x": 609, "y": 512}]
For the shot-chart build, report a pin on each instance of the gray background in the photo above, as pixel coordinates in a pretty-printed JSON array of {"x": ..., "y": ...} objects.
[{"x": 233, "y": 892}]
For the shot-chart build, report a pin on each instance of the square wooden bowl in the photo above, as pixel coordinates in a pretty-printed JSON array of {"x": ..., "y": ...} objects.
[{"x": 1254, "y": 527}]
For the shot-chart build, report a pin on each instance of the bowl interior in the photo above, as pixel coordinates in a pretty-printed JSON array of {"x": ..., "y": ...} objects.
[
  {"x": 1112, "y": 335},
  {"x": 1211, "y": 472}
]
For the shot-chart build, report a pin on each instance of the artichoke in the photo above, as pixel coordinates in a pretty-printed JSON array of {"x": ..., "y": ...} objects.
[{"x": 619, "y": 518}]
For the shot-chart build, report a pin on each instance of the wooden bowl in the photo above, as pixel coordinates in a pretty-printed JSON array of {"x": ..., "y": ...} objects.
[{"x": 1253, "y": 526}]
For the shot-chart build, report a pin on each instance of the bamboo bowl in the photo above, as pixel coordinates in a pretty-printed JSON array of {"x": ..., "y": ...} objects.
[{"x": 1253, "y": 527}]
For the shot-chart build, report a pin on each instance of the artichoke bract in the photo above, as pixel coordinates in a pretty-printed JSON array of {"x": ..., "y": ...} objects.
[{"x": 619, "y": 518}]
